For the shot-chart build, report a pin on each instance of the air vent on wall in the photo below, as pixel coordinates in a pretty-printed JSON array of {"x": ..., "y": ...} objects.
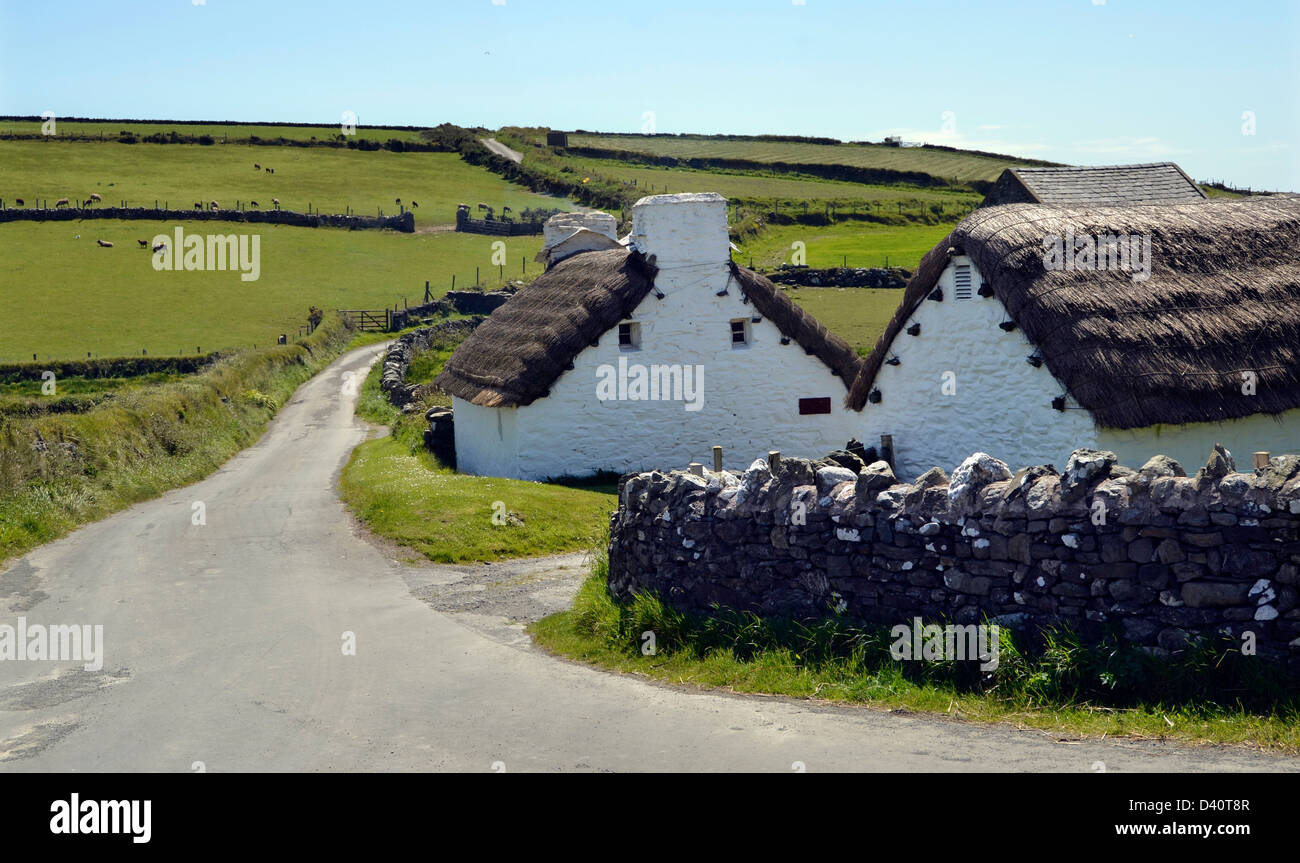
[{"x": 961, "y": 287}]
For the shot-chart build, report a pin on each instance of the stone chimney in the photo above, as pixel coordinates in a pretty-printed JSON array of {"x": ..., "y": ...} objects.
[
  {"x": 689, "y": 228},
  {"x": 559, "y": 226}
]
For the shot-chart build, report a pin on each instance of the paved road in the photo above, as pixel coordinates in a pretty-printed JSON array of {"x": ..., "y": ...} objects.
[
  {"x": 502, "y": 150},
  {"x": 223, "y": 646}
]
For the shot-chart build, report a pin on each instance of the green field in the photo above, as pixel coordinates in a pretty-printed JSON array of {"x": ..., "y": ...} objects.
[
  {"x": 960, "y": 166},
  {"x": 64, "y": 296},
  {"x": 749, "y": 186},
  {"x": 327, "y": 180},
  {"x": 857, "y": 315},
  {"x": 848, "y": 243}
]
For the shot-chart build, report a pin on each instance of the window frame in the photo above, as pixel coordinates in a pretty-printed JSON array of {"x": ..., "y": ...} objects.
[
  {"x": 743, "y": 332},
  {"x": 634, "y": 336}
]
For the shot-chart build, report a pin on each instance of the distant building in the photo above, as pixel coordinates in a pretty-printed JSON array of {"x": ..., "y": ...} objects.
[
  {"x": 1119, "y": 185},
  {"x": 557, "y": 139}
]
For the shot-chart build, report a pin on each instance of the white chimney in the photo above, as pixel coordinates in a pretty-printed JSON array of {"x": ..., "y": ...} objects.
[
  {"x": 563, "y": 225},
  {"x": 689, "y": 228}
]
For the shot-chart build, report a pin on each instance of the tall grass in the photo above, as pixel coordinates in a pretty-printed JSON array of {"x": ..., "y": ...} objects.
[{"x": 58, "y": 471}]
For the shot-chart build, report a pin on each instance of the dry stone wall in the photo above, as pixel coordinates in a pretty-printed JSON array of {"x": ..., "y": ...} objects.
[
  {"x": 404, "y": 222},
  {"x": 1163, "y": 556}
]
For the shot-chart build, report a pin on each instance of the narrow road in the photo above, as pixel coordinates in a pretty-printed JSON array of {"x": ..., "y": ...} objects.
[
  {"x": 223, "y": 646},
  {"x": 502, "y": 150}
]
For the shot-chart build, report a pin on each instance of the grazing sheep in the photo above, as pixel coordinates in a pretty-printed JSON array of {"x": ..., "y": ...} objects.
[
  {"x": 276, "y": 202},
  {"x": 198, "y": 206},
  {"x": 86, "y": 203},
  {"x": 253, "y": 203},
  {"x": 398, "y": 201},
  {"x": 94, "y": 196},
  {"x": 415, "y": 204},
  {"x": 143, "y": 243},
  {"x": 61, "y": 202},
  {"x": 20, "y": 202},
  {"x": 159, "y": 247},
  {"x": 214, "y": 205},
  {"x": 105, "y": 243},
  {"x": 270, "y": 170},
  {"x": 256, "y": 167}
]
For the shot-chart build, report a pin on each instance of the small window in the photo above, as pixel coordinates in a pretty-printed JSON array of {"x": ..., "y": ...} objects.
[
  {"x": 629, "y": 336},
  {"x": 815, "y": 406},
  {"x": 961, "y": 282},
  {"x": 739, "y": 332}
]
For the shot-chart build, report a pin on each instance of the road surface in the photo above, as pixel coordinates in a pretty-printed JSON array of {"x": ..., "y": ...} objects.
[
  {"x": 502, "y": 150},
  {"x": 223, "y": 651}
]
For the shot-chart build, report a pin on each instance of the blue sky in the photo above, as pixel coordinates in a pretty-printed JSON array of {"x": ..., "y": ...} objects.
[{"x": 1076, "y": 81}]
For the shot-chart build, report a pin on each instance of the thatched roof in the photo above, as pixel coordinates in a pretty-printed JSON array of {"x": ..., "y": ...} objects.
[
  {"x": 514, "y": 357},
  {"x": 1223, "y": 298},
  {"x": 1105, "y": 185}
]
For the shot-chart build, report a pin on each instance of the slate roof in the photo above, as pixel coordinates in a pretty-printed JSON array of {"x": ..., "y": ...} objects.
[{"x": 1107, "y": 185}]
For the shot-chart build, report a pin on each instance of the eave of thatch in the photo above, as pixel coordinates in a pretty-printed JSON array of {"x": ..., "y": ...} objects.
[
  {"x": 514, "y": 356},
  {"x": 799, "y": 326},
  {"x": 1223, "y": 298}
]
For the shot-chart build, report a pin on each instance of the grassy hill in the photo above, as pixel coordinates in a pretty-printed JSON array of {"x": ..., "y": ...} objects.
[
  {"x": 329, "y": 180},
  {"x": 747, "y": 186},
  {"x": 960, "y": 166}
]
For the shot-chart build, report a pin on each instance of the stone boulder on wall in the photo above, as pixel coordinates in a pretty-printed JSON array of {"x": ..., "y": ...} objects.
[
  {"x": 1084, "y": 470},
  {"x": 971, "y": 476}
]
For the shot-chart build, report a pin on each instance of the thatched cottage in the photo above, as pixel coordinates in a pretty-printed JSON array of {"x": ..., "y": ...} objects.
[
  {"x": 647, "y": 355},
  {"x": 1033, "y": 330}
]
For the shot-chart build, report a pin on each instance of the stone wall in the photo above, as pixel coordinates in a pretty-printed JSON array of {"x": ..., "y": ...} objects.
[
  {"x": 392, "y": 380},
  {"x": 405, "y": 222},
  {"x": 843, "y": 277},
  {"x": 1161, "y": 555},
  {"x": 453, "y": 302}
]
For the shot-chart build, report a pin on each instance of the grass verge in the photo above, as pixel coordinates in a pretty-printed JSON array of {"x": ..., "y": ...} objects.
[
  {"x": 59, "y": 471},
  {"x": 401, "y": 492},
  {"x": 1060, "y": 687}
]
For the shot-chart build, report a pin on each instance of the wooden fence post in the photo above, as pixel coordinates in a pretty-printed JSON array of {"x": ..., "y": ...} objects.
[
  {"x": 717, "y": 459},
  {"x": 887, "y": 449}
]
